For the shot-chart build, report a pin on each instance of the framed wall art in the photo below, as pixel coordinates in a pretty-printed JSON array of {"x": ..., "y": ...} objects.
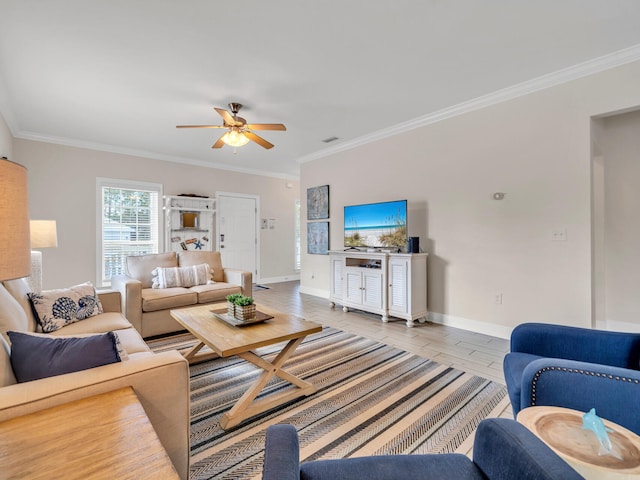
[
  {"x": 318, "y": 202},
  {"x": 318, "y": 238}
]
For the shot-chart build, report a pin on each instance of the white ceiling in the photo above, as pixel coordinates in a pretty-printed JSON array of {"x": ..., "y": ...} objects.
[{"x": 119, "y": 75}]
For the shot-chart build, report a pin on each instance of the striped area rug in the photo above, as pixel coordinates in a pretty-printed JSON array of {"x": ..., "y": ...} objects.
[{"x": 371, "y": 399}]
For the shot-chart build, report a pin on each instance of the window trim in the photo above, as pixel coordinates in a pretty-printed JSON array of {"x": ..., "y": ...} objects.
[
  {"x": 102, "y": 182},
  {"x": 297, "y": 236}
]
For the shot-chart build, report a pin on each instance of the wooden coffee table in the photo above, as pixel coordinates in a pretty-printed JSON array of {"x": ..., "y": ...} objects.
[
  {"x": 227, "y": 340},
  {"x": 561, "y": 429},
  {"x": 105, "y": 436}
]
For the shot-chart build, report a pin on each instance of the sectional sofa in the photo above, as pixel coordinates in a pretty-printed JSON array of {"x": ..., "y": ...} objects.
[{"x": 160, "y": 381}]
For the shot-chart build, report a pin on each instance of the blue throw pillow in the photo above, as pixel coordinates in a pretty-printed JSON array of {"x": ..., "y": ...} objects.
[{"x": 36, "y": 356}]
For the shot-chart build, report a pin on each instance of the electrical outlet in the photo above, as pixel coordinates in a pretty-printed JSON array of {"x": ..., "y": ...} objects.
[{"x": 497, "y": 298}]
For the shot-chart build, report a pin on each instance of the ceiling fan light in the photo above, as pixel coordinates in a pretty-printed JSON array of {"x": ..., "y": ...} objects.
[{"x": 233, "y": 138}]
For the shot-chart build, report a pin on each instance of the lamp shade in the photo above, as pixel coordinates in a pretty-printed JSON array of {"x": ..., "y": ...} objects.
[
  {"x": 43, "y": 234},
  {"x": 15, "y": 251}
]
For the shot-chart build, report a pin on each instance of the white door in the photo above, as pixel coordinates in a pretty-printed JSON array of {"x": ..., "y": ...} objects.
[{"x": 237, "y": 231}]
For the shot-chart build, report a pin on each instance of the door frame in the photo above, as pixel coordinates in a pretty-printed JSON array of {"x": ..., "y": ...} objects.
[{"x": 256, "y": 198}]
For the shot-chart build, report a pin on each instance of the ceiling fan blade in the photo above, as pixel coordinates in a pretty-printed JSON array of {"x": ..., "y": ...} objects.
[
  {"x": 200, "y": 126},
  {"x": 259, "y": 140},
  {"x": 219, "y": 143},
  {"x": 266, "y": 126},
  {"x": 227, "y": 117}
]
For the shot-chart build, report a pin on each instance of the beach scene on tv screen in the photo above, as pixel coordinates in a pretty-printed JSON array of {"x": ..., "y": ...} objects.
[{"x": 376, "y": 225}]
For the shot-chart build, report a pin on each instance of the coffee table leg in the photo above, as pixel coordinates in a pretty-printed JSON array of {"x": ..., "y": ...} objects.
[
  {"x": 246, "y": 407},
  {"x": 191, "y": 356}
]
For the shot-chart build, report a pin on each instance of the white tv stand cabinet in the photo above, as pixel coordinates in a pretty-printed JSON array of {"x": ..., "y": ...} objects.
[{"x": 388, "y": 284}]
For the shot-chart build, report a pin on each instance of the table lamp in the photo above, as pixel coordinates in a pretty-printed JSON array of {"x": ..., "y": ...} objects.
[
  {"x": 43, "y": 235},
  {"x": 15, "y": 259}
]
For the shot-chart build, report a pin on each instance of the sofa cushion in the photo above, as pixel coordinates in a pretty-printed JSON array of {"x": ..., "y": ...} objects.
[
  {"x": 195, "y": 257},
  {"x": 35, "y": 356},
  {"x": 12, "y": 316},
  {"x": 106, "y": 322},
  {"x": 141, "y": 266},
  {"x": 56, "y": 308},
  {"x": 131, "y": 341},
  {"x": 167, "y": 298},
  {"x": 19, "y": 289},
  {"x": 164, "y": 277},
  {"x": 215, "y": 292}
]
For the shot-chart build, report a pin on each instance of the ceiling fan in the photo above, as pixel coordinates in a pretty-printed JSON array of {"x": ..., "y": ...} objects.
[{"x": 239, "y": 132}]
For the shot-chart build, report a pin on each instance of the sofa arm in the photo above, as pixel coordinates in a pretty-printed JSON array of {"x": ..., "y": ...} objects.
[
  {"x": 161, "y": 382},
  {"x": 614, "y": 392},
  {"x": 111, "y": 300},
  {"x": 504, "y": 449},
  {"x": 281, "y": 453},
  {"x": 239, "y": 277},
  {"x": 130, "y": 298},
  {"x": 595, "y": 346}
]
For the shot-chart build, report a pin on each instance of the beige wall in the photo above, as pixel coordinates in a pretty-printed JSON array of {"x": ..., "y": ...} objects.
[
  {"x": 536, "y": 149},
  {"x": 62, "y": 186},
  {"x": 6, "y": 140}
]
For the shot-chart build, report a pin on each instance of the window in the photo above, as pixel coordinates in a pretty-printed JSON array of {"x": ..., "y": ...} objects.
[
  {"x": 128, "y": 222},
  {"x": 297, "y": 238}
]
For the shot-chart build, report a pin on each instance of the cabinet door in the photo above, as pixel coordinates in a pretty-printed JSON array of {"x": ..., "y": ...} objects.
[
  {"x": 353, "y": 288},
  {"x": 398, "y": 282},
  {"x": 373, "y": 289}
]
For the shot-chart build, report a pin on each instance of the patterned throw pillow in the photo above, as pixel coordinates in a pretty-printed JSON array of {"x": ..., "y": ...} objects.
[
  {"x": 168, "y": 277},
  {"x": 56, "y": 308}
]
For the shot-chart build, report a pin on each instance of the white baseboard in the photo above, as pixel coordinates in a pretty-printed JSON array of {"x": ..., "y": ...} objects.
[
  {"x": 316, "y": 292},
  {"x": 613, "y": 326},
  {"x": 471, "y": 325},
  {"x": 287, "y": 278}
]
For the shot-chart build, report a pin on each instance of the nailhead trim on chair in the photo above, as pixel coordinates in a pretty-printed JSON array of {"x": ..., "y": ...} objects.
[{"x": 573, "y": 370}]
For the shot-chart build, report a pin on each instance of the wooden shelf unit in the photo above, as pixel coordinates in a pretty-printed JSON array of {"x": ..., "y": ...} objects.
[{"x": 200, "y": 236}]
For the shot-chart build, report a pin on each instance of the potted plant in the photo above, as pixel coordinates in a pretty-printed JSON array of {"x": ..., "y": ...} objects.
[
  {"x": 243, "y": 306},
  {"x": 231, "y": 306}
]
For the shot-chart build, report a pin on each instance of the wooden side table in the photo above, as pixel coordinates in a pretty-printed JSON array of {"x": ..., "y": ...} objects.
[
  {"x": 561, "y": 429},
  {"x": 106, "y": 436}
]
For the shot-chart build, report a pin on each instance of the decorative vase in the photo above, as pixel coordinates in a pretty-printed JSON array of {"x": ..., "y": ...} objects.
[
  {"x": 231, "y": 309},
  {"x": 245, "y": 312}
]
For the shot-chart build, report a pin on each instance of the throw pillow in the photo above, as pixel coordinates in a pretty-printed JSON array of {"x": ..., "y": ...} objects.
[
  {"x": 36, "y": 356},
  {"x": 167, "y": 277},
  {"x": 56, "y": 308}
]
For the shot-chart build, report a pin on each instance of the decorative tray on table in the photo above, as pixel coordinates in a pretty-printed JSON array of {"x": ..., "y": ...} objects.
[{"x": 236, "y": 322}]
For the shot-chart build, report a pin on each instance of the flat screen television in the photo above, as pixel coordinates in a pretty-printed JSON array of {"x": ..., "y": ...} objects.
[{"x": 382, "y": 225}]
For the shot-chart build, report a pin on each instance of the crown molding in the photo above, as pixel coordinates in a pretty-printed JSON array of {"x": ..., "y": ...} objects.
[
  {"x": 584, "y": 69},
  {"x": 70, "y": 142}
]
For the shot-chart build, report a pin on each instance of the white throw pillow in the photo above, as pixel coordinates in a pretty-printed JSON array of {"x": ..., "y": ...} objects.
[{"x": 168, "y": 277}]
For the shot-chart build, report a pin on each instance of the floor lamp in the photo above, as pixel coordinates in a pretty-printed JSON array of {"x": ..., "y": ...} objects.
[
  {"x": 15, "y": 257},
  {"x": 43, "y": 235}
]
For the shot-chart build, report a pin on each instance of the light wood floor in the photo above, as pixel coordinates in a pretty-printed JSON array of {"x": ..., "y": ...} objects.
[{"x": 467, "y": 351}]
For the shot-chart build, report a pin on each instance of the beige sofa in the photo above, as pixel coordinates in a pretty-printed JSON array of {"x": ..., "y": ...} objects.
[
  {"x": 148, "y": 308},
  {"x": 161, "y": 381}
]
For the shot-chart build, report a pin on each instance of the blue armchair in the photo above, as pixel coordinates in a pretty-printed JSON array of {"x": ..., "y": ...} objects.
[
  {"x": 503, "y": 450},
  {"x": 576, "y": 368}
]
